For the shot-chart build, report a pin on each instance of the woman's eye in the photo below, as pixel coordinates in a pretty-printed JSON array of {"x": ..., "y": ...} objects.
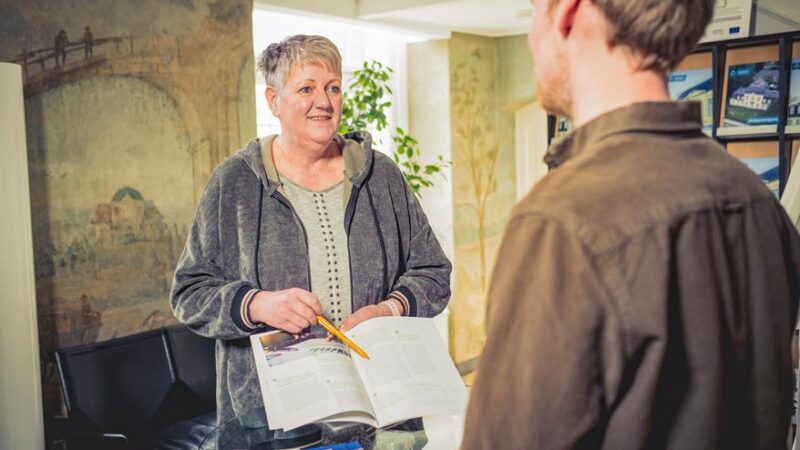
[
  {"x": 335, "y": 89},
  {"x": 305, "y": 89}
]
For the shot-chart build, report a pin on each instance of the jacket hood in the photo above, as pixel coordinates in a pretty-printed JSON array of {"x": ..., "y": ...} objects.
[{"x": 356, "y": 148}]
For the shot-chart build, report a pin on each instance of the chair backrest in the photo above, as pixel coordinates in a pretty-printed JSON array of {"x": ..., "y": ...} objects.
[
  {"x": 118, "y": 384},
  {"x": 195, "y": 364},
  {"x": 146, "y": 380},
  {"x": 194, "y": 392}
]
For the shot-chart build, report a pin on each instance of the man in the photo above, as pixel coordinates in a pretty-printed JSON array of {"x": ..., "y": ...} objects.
[
  {"x": 60, "y": 43},
  {"x": 646, "y": 290},
  {"x": 88, "y": 42}
]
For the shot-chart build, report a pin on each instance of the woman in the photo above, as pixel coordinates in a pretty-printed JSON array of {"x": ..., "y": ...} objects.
[{"x": 308, "y": 222}]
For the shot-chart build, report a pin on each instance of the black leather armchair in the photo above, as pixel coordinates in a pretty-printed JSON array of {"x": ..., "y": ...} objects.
[{"x": 150, "y": 390}]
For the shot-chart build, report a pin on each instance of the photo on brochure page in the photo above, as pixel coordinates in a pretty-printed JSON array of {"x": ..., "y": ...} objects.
[{"x": 281, "y": 348}]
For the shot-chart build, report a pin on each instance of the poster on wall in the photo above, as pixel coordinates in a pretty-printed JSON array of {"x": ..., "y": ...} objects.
[
  {"x": 762, "y": 158},
  {"x": 563, "y": 127},
  {"x": 793, "y": 121},
  {"x": 731, "y": 20},
  {"x": 795, "y": 151},
  {"x": 697, "y": 86},
  {"x": 751, "y": 89},
  {"x": 752, "y": 95}
]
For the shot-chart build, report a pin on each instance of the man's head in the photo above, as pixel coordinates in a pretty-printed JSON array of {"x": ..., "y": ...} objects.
[{"x": 654, "y": 34}]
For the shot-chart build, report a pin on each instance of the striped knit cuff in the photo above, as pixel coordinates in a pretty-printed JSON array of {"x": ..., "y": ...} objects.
[
  {"x": 403, "y": 295},
  {"x": 240, "y": 308},
  {"x": 248, "y": 298}
]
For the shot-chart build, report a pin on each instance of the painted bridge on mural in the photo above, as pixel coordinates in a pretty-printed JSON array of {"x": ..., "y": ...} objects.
[
  {"x": 169, "y": 63},
  {"x": 116, "y": 55}
]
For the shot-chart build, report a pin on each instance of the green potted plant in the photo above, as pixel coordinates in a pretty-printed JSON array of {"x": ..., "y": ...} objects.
[{"x": 364, "y": 108}]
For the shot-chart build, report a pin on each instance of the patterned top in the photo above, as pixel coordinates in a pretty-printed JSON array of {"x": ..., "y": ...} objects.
[{"x": 322, "y": 215}]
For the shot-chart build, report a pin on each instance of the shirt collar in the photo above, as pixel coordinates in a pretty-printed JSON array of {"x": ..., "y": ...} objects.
[{"x": 646, "y": 117}]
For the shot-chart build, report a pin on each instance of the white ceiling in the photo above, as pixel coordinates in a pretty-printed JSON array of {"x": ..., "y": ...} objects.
[
  {"x": 429, "y": 17},
  {"x": 789, "y": 10},
  {"x": 482, "y": 17},
  {"x": 437, "y": 18}
]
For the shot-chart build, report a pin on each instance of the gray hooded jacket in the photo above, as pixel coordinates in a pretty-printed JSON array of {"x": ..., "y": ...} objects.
[{"x": 245, "y": 235}]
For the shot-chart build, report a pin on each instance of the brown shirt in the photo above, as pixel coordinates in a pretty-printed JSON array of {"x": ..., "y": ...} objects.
[{"x": 644, "y": 296}]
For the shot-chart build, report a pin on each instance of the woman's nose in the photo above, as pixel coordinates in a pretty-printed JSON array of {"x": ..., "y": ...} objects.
[{"x": 322, "y": 101}]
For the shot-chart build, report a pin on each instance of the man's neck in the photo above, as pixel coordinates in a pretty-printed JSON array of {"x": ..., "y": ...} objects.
[{"x": 599, "y": 87}]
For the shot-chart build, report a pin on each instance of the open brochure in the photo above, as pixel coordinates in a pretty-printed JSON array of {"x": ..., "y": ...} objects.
[{"x": 312, "y": 379}]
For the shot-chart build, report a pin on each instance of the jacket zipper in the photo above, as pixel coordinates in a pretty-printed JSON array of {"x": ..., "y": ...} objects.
[
  {"x": 299, "y": 222},
  {"x": 349, "y": 211}
]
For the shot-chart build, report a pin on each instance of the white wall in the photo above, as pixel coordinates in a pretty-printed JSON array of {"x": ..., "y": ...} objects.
[
  {"x": 21, "y": 420},
  {"x": 429, "y": 122},
  {"x": 530, "y": 129},
  {"x": 777, "y": 16},
  {"x": 337, "y": 8},
  {"x": 428, "y": 76},
  {"x": 377, "y": 7}
]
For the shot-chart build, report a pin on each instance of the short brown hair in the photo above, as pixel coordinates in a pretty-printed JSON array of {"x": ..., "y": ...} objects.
[
  {"x": 276, "y": 60},
  {"x": 662, "y": 32}
]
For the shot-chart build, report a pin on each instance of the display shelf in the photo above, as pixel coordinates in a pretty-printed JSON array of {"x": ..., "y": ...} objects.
[
  {"x": 730, "y": 62},
  {"x": 745, "y": 137}
]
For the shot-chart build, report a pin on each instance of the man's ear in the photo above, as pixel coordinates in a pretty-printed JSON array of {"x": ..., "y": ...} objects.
[
  {"x": 564, "y": 15},
  {"x": 272, "y": 99}
]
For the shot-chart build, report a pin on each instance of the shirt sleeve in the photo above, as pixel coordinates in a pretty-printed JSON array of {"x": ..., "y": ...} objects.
[
  {"x": 791, "y": 247},
  {"x": 553, "y": 352}
]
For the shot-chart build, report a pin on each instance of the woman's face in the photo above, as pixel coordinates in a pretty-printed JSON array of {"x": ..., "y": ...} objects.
[{"x": 309, "y": 106}]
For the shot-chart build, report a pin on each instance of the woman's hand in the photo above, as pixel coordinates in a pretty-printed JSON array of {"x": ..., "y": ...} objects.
[
  {"x": 290, "y": 310},
  {"x": 365, "y": 313}
]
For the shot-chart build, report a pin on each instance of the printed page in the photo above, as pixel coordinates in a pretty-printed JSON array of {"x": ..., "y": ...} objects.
[
  {"x": 409, "y": 372},
  {"x": 308, "y": 379}
]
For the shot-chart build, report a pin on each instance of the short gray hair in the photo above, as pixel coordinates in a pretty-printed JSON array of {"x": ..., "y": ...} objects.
[{"x": 277, "y": 59}]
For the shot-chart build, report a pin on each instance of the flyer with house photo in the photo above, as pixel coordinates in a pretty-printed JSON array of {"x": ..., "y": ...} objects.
[{"x": 752, "y": 95}]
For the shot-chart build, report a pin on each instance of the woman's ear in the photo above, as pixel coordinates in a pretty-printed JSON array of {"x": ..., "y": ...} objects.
[{"x": 272, "y": 100}]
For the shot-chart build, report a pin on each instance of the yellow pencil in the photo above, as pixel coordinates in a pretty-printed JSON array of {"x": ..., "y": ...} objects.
[{"x": 334, "y": 331}]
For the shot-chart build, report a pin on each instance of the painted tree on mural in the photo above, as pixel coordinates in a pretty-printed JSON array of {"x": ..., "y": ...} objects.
[{"x": 478, "y": 147}]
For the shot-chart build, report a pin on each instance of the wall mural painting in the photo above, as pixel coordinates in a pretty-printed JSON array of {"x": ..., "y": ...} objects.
[
  {"x": 129, "y": 106},
  {"x": 481, "y": 100},
  {"x": 475, "y": 155}
]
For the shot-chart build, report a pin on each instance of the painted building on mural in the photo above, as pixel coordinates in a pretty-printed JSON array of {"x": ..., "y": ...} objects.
[{"x": 128, "y": 217}]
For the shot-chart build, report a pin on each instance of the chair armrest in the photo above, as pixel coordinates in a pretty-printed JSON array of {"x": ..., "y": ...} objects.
[{"x": 78, "y": 436}]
